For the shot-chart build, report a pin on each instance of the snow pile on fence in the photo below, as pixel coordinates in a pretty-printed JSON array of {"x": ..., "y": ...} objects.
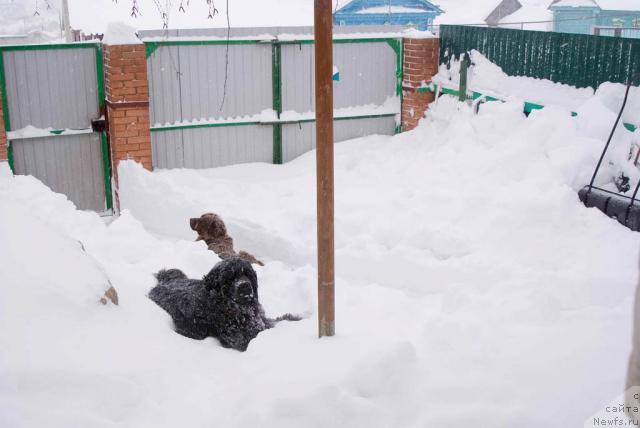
[
  {"x": 471, "y": 285},
  {"x": 488, "y": 78}
]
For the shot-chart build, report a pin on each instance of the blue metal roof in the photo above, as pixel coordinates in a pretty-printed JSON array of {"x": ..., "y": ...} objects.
[{"x": 358, "y": 5}]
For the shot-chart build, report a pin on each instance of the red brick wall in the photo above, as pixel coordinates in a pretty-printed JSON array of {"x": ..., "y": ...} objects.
[
  {"x": 127, "y": 92},
  {"x": 3, "y": 135},
  {"x": 420, "y": 65}
]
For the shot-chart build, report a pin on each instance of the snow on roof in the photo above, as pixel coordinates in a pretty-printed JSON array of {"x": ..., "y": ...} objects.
[
  {"x": 462, "y": 12},
  {"x": 603, "y": 4},
  {"x": 575, "y": 3},
  {"x": 391, "y": 9},
  {"x": 619, "y": 4},
  {"x": 119, "y": 33},
  {"x": 529, "y": 13},
  {"x": 387, "y": 6}
]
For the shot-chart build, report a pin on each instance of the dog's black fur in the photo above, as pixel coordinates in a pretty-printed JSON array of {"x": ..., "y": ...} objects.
[{"x": 224, "y": 304}]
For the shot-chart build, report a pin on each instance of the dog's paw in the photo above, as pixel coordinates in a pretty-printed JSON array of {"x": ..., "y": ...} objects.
[
  {"x": 250, "y": 258},
  {"x": 165, "y": 276}
]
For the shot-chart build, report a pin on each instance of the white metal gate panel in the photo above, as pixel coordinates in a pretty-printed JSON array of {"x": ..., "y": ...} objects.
[
  {"x": 59, "y": 161},
  {"x": 367, "y": 75},
  {"x": 297, "y": 139},
  {"x": 251, "y": 99},
  {"x": 52, "y": 93}
]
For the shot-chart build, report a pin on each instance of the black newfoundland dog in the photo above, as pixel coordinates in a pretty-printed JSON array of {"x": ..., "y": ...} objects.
[{"x": 224, "y": 304}]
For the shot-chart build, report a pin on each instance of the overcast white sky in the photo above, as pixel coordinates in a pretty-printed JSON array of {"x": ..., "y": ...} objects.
[{"x": 94, "y": 15}]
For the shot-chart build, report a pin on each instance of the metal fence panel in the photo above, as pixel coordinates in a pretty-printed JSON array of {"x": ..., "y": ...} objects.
[
  {"x": 164, "y": 86},
  {"x": 297, "y": 77},
  {"x": 51, "y": 88},
  {"x": 167, "y": 149},
  {"x": 298, "y": 139},
  {"x": 70, "y": 164},
  {"x": 268, "y": 69},
  {"x": 367, "y": 75},
  {"x": 55, "y": 88},
  {"x": 195, "y": 82},
  {"x": 575, "y": 59},
  {"x": 212, "y": 147}
]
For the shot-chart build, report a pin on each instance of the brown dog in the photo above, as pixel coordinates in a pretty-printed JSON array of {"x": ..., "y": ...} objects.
[{"x": 211, "y": 229}]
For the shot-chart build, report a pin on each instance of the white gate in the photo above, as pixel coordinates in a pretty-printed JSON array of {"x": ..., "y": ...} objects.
[
  {"x": 52, "y": 93},
  {"x": 215, "y": 102}
]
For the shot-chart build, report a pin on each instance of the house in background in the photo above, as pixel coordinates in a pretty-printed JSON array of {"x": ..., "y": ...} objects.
[
  {"x": 504, "y": 9},
  {"x": 414, "y": 13},
  {"x": 521, "y": 15},
  {"x": 604, "y": 17}
]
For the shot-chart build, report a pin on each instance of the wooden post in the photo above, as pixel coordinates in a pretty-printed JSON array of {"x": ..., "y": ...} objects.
[
  {"x": 464, "y": 66},
  {"x": 323, "y": 29}
]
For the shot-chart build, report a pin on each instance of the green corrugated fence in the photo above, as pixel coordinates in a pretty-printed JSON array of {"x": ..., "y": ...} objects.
[{"x": 575, "y": 59}]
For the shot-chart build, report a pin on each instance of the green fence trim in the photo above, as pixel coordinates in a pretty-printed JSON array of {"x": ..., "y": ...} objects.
[
  {"x": 338, "y": 41},
  {"x": 10, "y": 156},
  {"x": 5, "y": 109},
  {"x": 276, "y": 86},
  {"x": 106, "y": 171},
  {"x": 100, "y": 76},
  {"x": 263, "y": 123},
  {"x": 162, "y": 128},
  {"x": 529, "y": 107},
  {"x": 367, "y": 116},
  {"x": 396, "y": 45},
  {"x": 104, "y": 143},
  {"x": 51, "y": 46},
  {"x": 151, "y": 47},
  {"x": 364, "y": 116}
]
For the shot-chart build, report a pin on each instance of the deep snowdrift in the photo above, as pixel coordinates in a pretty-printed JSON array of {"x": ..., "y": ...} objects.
[{"x": 472, "y": 289}]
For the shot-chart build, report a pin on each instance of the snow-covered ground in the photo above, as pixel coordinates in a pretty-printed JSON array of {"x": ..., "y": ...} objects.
[{"x": 473, "y": 288}]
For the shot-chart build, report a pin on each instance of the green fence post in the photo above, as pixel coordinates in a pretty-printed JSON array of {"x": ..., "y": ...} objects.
[
  {"x": 5, "y": 110},
  {"x": 276, "y": 76}
]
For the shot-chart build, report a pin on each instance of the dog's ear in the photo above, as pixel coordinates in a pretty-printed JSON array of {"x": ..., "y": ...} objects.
[
  {"x": 216, "y": 227},
  {"x": 194, "y": 223},
  {"x": 252, "y": 275},
  {"x": 213, "y": 280}
]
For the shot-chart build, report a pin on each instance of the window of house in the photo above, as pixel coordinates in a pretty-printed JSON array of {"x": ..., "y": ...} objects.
[{"x": 617, "y": 22}]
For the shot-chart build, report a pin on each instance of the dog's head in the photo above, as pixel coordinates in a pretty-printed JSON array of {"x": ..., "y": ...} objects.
[
  {"x": 235, "y": 279},
  {"x": 209, "y": 226}
]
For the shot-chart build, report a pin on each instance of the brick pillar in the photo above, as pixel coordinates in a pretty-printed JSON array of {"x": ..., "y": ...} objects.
[
  {"x": 420, "y": 65},
  {"x": 127, "y": 93},
  {"x": 3, "y": 135}
]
